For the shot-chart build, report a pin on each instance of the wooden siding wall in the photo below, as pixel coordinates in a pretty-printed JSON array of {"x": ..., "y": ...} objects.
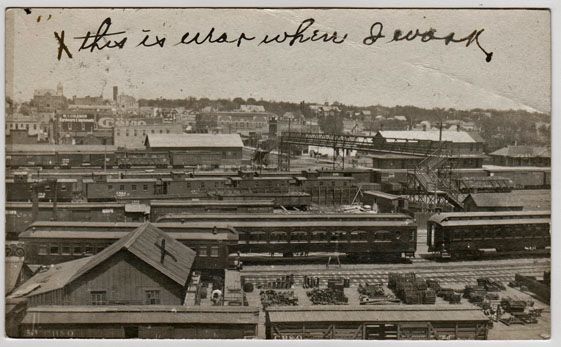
[{"x": 124, "y": 277}]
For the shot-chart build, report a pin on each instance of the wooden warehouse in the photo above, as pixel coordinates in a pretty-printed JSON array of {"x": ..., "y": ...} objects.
[
  {"x": 145, "y": 267},
  {"x": 198, "y": 149},
  {"x": 384, "y": 322}
]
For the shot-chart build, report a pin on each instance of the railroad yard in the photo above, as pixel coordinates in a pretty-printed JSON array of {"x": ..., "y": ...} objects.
[{"x": 311, "y": 253}]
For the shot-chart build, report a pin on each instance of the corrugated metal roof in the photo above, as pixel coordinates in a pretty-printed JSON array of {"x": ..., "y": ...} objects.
[
  {"x": 193, "y": 140},
  {"x": 382, "y": 313},
  {"x": 141, "y": 314},
  {"x": 431, "y": 135}
]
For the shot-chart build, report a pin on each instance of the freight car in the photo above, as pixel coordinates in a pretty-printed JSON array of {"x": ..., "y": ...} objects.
[
  {"x": 471, "y": 234},
  {"x": 358, "y": 239},
  {"x": 20, "y": 188},
  {"x": 523, "y": 177},
  {"x": 45, "y": 247},
  {"x": 63, "y": 156},
  {"x": 160, "y": 208},
  {"x": 137, "y": 158}
]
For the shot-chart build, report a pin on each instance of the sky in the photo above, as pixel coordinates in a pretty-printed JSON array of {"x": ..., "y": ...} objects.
[{"x": 429, "y": 74}]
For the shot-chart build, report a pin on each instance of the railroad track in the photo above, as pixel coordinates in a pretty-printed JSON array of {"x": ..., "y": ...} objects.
[{"x": 457, "y": 273}]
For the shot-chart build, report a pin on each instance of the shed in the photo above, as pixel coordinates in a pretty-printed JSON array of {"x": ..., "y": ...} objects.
[{"x": 516, "y": 200}]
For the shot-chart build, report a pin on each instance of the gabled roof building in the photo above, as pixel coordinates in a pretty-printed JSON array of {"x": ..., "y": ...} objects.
[{"x": 145, "y": 267}]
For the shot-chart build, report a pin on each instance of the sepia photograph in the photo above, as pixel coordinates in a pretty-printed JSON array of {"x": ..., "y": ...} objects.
[{"x": 277, "y": 173}]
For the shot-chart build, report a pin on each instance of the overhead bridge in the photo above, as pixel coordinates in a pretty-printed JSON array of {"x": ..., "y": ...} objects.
[{"x": 344, "y": 142}]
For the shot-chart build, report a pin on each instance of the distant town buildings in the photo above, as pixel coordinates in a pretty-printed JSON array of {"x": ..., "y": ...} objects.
[{"x": 134, "y": 136}]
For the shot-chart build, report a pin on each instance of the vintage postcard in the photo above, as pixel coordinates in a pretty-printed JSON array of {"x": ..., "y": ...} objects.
[{"x": 278, "y": 173}]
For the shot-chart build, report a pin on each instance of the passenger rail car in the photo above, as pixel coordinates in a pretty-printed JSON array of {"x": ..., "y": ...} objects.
[
  {"x": 471, "y": 234},
  {"x": 45, "y": 247},
  {"x": 266, "y": 217},
  {"x": 361, "y": 239}
]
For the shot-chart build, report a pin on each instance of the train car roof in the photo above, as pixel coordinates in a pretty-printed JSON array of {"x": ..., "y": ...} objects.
[
  {"x": 35, "y": 226},
  {"x": 230, "y": 225},
  {"x": 212, "y": 202},
  {"x": 517, "y": 221},
  {"x": 131, "y": 180},
  {"x": 266, "y": 216},
  {"x": 115, "y": 235},
  {"x": 72, "y": 206},
  {"x": 441, "y": 217}
]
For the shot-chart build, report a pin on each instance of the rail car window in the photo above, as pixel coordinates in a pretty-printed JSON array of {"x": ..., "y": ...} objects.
[
  {"x": 42, "y": 249},
  {"x": 54, "y": 249},
  {"x": 214, "y": 251},
  {"x": 98, "y": 297},
  {"x": 88, "y": 250},
  {"x": 65, "y": 250}
]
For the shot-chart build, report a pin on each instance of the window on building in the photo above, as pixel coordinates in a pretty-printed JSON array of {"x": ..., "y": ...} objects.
[
  {"x": 98, "y": 297},
  {"x": 152, "y": 297},
  {"x": 152, "y": 131},
  {"x": 133, "y": 187},
  {"x": 122, "y": 187},
  {"x": 77, "y": 250},
  {"x": 145, "y": 187},
  {"x": 65, "y": 250},
  {"x": 202, "y": 251},
  {"x": 110, "y": 187},
  {"x": 161, "y": 131},
  {"x": 42, "y": 249},
  {"x": 214, "y": 251},
  {"x": 167, "y": 131},
  {"x": 54, "y": 249},
  {"x": 98, "y": 249}
]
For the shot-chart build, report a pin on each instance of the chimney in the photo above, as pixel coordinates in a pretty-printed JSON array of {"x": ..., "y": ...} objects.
[{"x": 115, "y": 93}]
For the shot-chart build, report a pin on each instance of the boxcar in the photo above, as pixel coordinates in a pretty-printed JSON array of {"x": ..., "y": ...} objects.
[{"x": 462, "y": 234}]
